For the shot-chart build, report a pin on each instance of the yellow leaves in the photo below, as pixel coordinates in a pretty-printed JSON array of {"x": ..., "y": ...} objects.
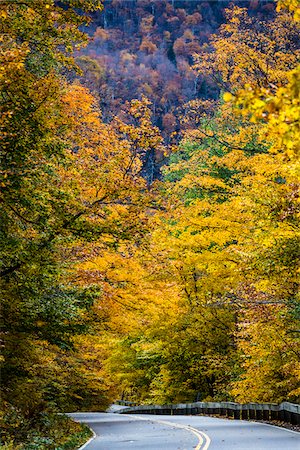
[
  {"x": 228, "y": 97},
  {"x": 258, "y": 104},
  {"x": 229, "y": 228},
  {"x": 242, "y": 56},
  {"x": 270, "y": 363},
  {"x": 205, "y": 182},
  {"x": 291, "y": 5},
  {"x": 279, "y": 113},
  {"x": 31, "y": 13},
  {"x": 12, "y": 58}
]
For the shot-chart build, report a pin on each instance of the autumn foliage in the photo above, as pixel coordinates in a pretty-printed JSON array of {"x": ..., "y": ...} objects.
[{"x": 130, "y": 267}]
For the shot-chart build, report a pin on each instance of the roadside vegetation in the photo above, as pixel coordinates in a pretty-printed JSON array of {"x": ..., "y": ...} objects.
[
  {"x": 137, "y": 264},
  {"x": 44, "y": 431}
]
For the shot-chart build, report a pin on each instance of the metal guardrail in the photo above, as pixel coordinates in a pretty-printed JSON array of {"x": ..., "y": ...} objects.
[{"x": 285, "y": 412}]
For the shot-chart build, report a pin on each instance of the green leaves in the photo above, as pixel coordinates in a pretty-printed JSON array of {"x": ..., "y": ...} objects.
[{"x": 48, "y": 32}]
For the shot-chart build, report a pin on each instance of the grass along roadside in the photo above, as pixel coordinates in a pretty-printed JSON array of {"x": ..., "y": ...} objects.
[{"x": 46, "y": 431}]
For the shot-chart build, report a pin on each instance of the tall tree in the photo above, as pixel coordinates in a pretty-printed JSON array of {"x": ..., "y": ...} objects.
[{"x": 66, "y": 178}]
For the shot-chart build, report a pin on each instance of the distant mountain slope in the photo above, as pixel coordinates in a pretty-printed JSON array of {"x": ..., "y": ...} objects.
[{"x": 146, "y": 47}]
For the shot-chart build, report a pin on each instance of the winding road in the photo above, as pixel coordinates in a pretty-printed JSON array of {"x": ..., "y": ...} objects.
[{"x": 148, "y": 432}]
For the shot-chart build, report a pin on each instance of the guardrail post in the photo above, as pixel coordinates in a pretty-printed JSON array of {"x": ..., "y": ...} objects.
[
  {"x": 295, "y": 419},
  {"x": 274, "y": 411},
  {"x": 237, "y": 412},
  {"x": 229, "y": 412},
  {"x": 252, "y": 411},
  {"x": 266, "y": 411},
  {"x": 204, "y": 408},
  {"x": 245, "y": 412},
  {"x": 287, "y": 415},
  {"x": 281, "y": 415},
  {"x": 286, "y": 408},
  {"x": 216, "y": 408},
  {"x": 230, "y": 409},
  {"x": 223, "y": 408},
  {"x": 259, "y": 411}
]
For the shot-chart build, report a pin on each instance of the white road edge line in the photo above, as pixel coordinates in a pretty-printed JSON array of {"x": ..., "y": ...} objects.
[
  {"x": 89, "y": 441},
  {"x": 203, "y": 437}
]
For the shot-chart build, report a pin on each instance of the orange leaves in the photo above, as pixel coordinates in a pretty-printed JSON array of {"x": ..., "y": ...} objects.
[
  {"x": 103, "y": 163},
  {"x": 142, "y": 133}
]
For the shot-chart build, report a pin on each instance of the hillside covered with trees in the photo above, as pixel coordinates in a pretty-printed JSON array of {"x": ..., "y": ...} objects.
[
  {"x": 147, "y": 48},
  {"x": 149, "y": 229}
]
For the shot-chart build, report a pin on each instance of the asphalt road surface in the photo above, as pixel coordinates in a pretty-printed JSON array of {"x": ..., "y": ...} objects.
[{"x": 148, "y": 432}]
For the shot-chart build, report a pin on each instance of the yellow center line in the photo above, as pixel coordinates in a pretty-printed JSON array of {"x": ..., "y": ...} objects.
[{"x": 204, "y": 439}]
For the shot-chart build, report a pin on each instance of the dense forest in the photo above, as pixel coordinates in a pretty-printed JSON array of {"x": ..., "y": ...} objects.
[
  {"x": 147, "y": 48},
  {"x": 149, "y": 230}
]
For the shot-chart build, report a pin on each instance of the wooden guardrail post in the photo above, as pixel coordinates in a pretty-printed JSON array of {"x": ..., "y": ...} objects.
[
  {"x": 230, "y": 409},
  {"x": 290, "y": 412},
  {"x": 237, "y": 411},
  {"x": 251, "y": 411},
  {"x": 274, "y": 411},
  {"x": 223, "y": 408},
  {"x": 266, "y": 411},
  {"x": 258, "y": 412},
  {"x": 245, "y": 412}
]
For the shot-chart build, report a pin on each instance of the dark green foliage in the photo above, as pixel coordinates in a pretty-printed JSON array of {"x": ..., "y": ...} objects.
[{"x": 44, "y": 431}]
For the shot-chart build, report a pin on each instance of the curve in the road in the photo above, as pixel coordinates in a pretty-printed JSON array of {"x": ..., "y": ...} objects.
[
  {"x": 162, "y": 432},
  {"x": 204, "y": 439}
]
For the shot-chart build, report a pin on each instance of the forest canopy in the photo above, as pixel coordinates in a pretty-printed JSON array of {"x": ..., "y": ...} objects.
[{"x": 149, "y": 230}]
